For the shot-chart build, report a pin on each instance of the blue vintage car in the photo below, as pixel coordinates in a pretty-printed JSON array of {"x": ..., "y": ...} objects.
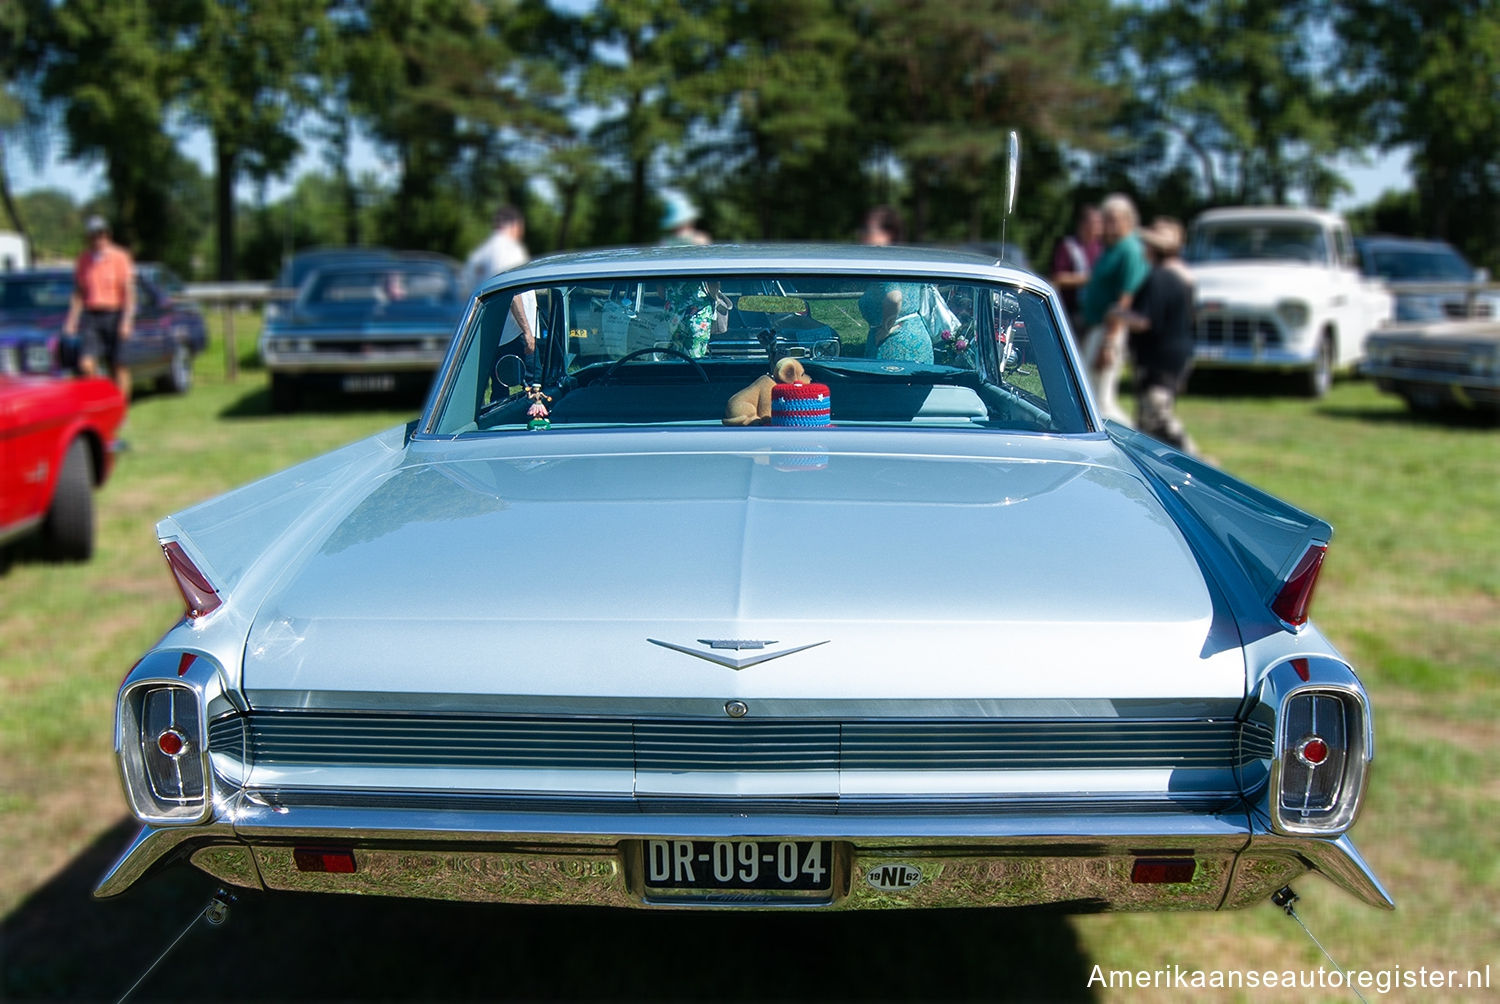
[
  {"x": 361, "y": 322},
  {"x": 169, "y": 330},
  {"x": 630, "y": 621}
]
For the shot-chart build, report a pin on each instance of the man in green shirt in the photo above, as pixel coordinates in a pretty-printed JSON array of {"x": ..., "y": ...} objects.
[{"x": 1116, "y": 276}]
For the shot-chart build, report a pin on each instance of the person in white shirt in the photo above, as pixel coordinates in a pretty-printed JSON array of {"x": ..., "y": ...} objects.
[{"x": 500, "y": 251}]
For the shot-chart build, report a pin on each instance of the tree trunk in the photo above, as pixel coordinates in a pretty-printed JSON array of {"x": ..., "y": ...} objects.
[
  {"x": 225, "y": 158},
  {"x": 565, "y": 221},
  {"x": 639, "y": 234}
]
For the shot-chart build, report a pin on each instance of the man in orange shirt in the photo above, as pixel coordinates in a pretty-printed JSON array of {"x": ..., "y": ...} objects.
[{"x": 102, "y": 310}]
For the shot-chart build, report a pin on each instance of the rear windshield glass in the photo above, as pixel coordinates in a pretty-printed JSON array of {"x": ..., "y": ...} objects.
[{"x": 728, "y": 349}]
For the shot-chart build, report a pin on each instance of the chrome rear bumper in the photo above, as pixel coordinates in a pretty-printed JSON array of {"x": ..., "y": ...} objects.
[{"x": 1086, "y": 862}]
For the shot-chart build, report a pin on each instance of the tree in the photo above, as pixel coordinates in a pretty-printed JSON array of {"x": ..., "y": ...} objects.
[
  {"x": 242, "y": 67},
  {"x": 777, "y": 118},
  {"x": 108, "y": 63},
  {"x": 1247, "y": 87},
  {"x": 651, "y": 79},
  {"x": 438, "y": 84},
  {"x": 23, "y": 26},
  {"x": 1426, "y": 76},
  {"x": 941, "y": 85}
]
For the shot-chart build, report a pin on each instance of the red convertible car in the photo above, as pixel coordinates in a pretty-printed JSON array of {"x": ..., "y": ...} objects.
[{"x": 57, "y": 440}]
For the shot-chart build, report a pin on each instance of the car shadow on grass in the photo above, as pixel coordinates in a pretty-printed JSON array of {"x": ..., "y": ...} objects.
[
  {"x": 257, "y": 404},
  {"x": 1445, "y": 418},
  {"x": 61, "y": 943}
]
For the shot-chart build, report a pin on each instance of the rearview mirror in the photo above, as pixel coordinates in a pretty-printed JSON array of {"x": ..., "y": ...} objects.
[{"x": 510, "y": 371}]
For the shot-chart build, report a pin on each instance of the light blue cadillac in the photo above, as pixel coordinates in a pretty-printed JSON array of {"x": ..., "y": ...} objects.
[{"x": 879, "y": 614}]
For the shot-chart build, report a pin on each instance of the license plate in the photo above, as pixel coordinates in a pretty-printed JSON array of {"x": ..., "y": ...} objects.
[
  {"x": 373, "y": 383},
  {"x": 739, "y": 865}
]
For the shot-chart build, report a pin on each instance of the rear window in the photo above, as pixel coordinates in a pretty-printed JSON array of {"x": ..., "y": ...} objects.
[{"x": 701, "y": 350}]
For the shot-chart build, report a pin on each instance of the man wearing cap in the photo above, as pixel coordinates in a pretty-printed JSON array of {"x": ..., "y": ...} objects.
[
  {"x": 1160, "y": 321},
  {"x": 101, "y": 311}
]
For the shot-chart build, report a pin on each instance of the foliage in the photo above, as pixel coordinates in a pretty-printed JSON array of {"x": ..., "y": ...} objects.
[
  {"x": 108, "y": 68},
  {"x": 240, "y": 67},
  {"x": 54, "y": 223},
  {"x": 782, "y": 119},
  {"x": 442, "y": 86},
  {"x": 940, "y": 86},
  {"x": 1245, "y": 89},
  {"x": 1438, "y": 98}
]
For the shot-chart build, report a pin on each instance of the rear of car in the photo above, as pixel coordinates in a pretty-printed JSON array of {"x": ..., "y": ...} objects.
[
  {"x": 33, "y": 306},
  {"x": 57, "y": 441},
  {"x": 916, "y": 632}
]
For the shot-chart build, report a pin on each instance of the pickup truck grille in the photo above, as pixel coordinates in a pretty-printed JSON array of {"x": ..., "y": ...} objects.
[
  {"x": 313, "y": 739},
  {"x": 1238, "y": 332}
]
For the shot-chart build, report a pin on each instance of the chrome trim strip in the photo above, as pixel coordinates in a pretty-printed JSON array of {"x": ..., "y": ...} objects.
[{"x": 1012, "y": 859}]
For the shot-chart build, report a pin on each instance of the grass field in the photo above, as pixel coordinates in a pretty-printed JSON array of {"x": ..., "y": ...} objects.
[{"x": 1411, "y": 593}]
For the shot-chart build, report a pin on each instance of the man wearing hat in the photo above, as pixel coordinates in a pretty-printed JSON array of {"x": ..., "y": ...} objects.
[
  {"x": 101, "y": 311},
  {"x": 1160, "y": 321}
]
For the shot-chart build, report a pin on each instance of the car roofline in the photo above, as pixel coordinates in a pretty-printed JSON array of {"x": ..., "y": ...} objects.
[{"x": 766, "y": 259}]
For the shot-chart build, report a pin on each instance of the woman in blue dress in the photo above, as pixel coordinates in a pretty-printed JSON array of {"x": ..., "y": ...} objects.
[{"x": 894, "y": 312}]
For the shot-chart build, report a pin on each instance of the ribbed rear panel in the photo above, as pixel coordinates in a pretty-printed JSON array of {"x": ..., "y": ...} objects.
[{"x": 322, "y": 739}]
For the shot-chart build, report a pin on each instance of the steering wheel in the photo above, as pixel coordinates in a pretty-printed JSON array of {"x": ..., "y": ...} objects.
[{"x": 609, "y": 373}]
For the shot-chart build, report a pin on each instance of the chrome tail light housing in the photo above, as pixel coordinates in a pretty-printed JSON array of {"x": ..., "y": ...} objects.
[
  {"x": 161, "y": 739},
  {"x": 1323, "y": 748}
]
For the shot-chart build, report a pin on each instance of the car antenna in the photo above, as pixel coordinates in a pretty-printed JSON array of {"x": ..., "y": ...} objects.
[{"x": 1012, "y": 175}]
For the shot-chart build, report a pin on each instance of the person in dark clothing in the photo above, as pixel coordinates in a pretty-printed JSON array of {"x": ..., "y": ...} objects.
[{"x": 1160, "y": 321}]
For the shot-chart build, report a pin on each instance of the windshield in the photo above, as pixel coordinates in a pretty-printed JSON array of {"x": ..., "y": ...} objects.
[
  {"x": 35, "y": 294},
  {"x": 1411, "y": 264},
  {"x": 734, "y": 349},
  {"x": 1247, "y": 240},
  {"x": 379, "y": 285}
]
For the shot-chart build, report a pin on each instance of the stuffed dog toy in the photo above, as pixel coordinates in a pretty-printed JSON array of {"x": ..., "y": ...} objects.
[{"x": 752, "y": 406}]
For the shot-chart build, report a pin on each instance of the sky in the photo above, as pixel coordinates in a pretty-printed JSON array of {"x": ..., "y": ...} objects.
[{"x": 1383, "y": 172}]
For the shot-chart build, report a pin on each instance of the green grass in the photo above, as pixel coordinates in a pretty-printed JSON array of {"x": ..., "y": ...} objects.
[{"x": 1411, "y": 593}]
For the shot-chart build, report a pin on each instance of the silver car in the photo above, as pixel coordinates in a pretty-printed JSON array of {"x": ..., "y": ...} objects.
[{"x": 625, "y": 620}]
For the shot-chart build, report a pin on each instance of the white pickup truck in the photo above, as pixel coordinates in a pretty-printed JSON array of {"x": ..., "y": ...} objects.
[{"x": 1279, "y": 288}]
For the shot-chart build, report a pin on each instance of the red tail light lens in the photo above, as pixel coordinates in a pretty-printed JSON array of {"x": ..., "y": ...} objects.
[
  {"x": 198, "y": 594},
  {"x": 1162, "y": 871},
  {"x": 323, "y": 859},
  {"x": 1295, "y": 597}
]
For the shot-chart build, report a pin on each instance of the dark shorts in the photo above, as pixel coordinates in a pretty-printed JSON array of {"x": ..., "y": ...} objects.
[{"x": 99, "y": 337}]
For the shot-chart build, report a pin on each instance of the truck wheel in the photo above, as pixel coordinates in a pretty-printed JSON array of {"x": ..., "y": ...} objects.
[
  {"x": 1319, "y": 380},
  {"x": 68, "y": 529}
]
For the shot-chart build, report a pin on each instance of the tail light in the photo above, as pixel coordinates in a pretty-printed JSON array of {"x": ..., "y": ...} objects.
[
  {"x": 198, "y": 593},
  {"x": 162, "y": 752},
  {"x": 1295, "y": 595},
  {"x": 1321, "y": 757}
]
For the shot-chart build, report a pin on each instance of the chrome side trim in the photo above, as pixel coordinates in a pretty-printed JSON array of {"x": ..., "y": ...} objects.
[{"x": 154, "y": 847}]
